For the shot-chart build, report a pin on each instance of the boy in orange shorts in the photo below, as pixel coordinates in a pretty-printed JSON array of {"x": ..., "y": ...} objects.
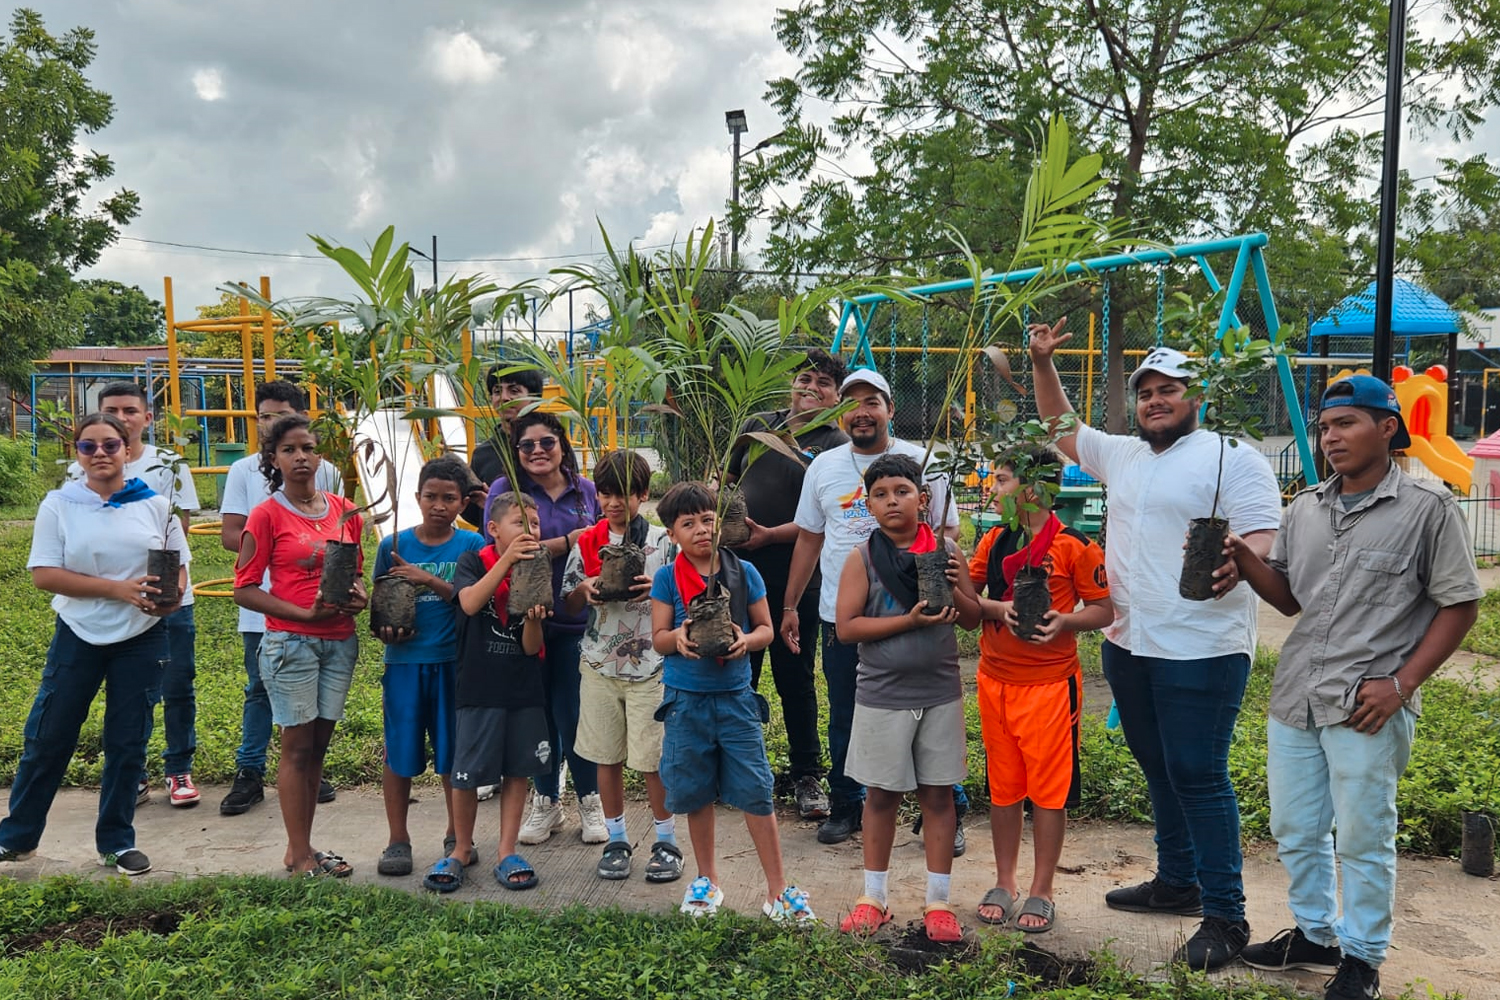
[{"x": 1031, "y": 690}]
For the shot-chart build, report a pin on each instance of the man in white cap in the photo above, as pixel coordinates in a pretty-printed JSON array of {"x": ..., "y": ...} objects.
[
  {"x": 1177, "y": 668},
  {"x": 832, "y": 518}
]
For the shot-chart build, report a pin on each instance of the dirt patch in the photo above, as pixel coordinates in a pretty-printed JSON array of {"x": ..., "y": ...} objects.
[
  {"x": 88, "y": 932},
  {"x": 910, "y": 950}
]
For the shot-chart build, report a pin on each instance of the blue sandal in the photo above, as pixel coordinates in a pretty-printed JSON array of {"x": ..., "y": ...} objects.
[
  {"x": 446, "y": 876},
  {"x": 514, "y": 865}
]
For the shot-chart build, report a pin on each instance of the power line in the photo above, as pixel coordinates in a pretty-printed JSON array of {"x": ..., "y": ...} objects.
[{"x": 290, "y": 255}]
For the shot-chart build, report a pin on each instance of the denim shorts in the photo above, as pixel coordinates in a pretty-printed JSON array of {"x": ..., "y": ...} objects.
[
  {"x": 306, "y": 677},
  {"x": 417, "y": 705},
  {"x": 713, "y": 748}
]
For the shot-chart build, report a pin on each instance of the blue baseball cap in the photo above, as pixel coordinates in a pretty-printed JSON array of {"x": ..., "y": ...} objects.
[{"x": 1370, "y": 393}]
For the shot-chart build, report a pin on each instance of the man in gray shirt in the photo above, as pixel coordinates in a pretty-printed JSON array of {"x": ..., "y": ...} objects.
[{"x": 1380, "y": 568}]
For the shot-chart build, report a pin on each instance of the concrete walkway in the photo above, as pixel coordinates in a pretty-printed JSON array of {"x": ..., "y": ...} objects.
[{"x": 1447, "y": 932}]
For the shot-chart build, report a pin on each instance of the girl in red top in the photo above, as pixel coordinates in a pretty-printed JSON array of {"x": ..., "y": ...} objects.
[{"x": 308, "y": 652}]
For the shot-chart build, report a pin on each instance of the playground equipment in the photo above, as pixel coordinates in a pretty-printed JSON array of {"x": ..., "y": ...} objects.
[
  {"x": 860, "y": 312},
  {"x": 1424, "y": 408}
]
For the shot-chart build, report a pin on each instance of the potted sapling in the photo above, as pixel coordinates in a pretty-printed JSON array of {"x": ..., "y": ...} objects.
[
  {"x": 1219, "y": 369},
  {"x": 165, "y": 563}
]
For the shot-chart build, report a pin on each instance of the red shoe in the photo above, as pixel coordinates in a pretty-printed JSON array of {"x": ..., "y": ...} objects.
[
  {"x": 867, "y": 917},
  {"x": 180, "y": 790},
  {"x": 942, "y": 924}
]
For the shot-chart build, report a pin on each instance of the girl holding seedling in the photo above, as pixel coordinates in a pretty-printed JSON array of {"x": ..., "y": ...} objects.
[
  {"x": 89, "y": 548},
  {"x": 308, "y": 652}
]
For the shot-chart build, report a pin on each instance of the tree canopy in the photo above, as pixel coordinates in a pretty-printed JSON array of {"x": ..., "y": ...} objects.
[
  {"x": 49, "y": 227},
  {"x": 117, "y": 315}
]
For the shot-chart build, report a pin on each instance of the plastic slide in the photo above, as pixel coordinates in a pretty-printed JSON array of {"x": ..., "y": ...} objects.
[
  {"x": 1424, "y": 408},
  {"x": 385, "y": 436}
]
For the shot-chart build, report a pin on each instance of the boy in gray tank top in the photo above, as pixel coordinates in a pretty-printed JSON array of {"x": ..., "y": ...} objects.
[{"x": 908, "y": 731}]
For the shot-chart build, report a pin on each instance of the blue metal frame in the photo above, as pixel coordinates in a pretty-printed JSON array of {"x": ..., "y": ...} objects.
[
  {"x": 1249, "y": 259},
  {"x": 116, "y": 376}
]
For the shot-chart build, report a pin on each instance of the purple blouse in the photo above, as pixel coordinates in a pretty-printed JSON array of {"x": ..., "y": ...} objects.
[{"x": 577, "y": 507}]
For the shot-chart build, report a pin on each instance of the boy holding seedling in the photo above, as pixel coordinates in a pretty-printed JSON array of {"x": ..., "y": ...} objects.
[
  {"x": 1031, "y": 690},
  {"x": 712, "y": 745},
  {"x": 500, "y": 693},
  {"x": 1380, "y": 567},
  {"x": 620, "y": 673},
  {"x": 420, "y": 667},
  {"x": 908, "y": 731},
  {"x": 168, "y": 474}
]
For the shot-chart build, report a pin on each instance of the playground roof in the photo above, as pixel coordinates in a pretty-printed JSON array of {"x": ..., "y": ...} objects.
[
  {"x": 1415, "y": 312},
  {"x": 1488, "y": 448}
]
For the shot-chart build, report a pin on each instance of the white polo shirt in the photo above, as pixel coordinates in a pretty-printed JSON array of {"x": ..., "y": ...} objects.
[
  {"x": 245, "y": 488},
  {"x": 154, "y": 468},
  {"x": 1151, "y": 498},
  {"x": 833, "y": 505}
]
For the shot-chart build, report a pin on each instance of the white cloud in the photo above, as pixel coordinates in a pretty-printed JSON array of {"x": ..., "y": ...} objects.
[
  {"x": 457, "y": 59},
  {"x": 209, "y": 84}
]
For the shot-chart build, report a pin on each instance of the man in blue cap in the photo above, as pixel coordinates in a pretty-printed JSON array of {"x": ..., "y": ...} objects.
[{"x": 1380, "y": 566}]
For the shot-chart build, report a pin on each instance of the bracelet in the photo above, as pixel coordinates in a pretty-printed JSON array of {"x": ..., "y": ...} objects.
[
  {"x": 790, "y": 607},
  {"x": 1405, "y": 698}
]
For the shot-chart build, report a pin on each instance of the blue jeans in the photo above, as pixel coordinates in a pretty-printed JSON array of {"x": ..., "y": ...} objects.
[
  {"x": 840, "y": 665},
  {"x": 179, "y": 700},
  {"x": 1322, "y": 777},
  {"x": 1178, "y": 718},
  {"x": 255, "y": 719},
  {"x": 562, "y": 715},
  {"x": 131, "y": 674}
]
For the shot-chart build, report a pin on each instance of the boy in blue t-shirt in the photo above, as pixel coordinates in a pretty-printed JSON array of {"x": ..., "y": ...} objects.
[
  {"x": 420, "y": 664},
  {"x": 713, "y": 747}
]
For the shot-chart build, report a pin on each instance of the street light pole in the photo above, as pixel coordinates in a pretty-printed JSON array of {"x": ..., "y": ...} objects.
[
  {"x": 1390, "y": 176},
  {"x": 735, "y": 121},
  {"x": 432, "y": 257}
]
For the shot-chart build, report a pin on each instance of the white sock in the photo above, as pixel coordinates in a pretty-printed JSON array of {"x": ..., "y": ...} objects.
[
  {"x": 614, "y": 827},
  {"x": 937, "y": 887},
  {"x": 875, "y": 885},
  {"x": 666, "y": 829}
]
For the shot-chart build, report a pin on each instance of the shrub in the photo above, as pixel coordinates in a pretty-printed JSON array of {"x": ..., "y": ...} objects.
[{"x": 20, "y": 484}]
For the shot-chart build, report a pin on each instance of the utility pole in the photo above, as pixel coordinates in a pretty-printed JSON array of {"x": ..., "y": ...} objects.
[
  {"x": 1390, "y": 175},
  {"x": 735, "y": 121}
]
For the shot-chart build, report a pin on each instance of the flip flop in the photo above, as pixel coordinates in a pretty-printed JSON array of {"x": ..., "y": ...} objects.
[
  {"x": 1002, "y": 898},
  {"x": 1036, "y": 906},
  {"x": 942, "y": 924},
  {"x": 867, "y": 917},
  {"x": 445, "y": 876},
  {"x": 395, "y": 860},
  {"x": 511, "y": 865}
]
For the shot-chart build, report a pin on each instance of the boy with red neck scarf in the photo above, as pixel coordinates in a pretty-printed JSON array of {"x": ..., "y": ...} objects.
[
  {"x": 619, "y": 673},
  {"x": 1031, "y": 690},
  {"x": 713, "y": 747},
  {"x": 908, "y": 731}
]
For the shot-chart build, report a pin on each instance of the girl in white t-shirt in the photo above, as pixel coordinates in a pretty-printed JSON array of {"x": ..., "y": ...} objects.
[{"x": 89, "y": 548}]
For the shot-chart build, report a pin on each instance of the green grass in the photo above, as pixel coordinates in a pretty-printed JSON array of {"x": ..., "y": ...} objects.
[
  {"x": 1484, "y": 637},
  {"x": 249, "y": 936},
  {"x": 1457, "y": 752}
]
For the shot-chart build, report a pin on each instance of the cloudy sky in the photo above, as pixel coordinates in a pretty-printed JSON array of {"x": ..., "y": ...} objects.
[{"x": 503, "y": 126}]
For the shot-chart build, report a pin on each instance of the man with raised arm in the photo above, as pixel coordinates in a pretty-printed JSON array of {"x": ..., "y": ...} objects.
[{"x": 1177, "y": 668}]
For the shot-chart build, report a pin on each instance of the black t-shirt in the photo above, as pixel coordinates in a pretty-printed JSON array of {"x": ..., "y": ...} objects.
[
  {"x": 488, "y": 466},
  {"x": 774, "y": 484},
  {"x": 493, "y": 670}
]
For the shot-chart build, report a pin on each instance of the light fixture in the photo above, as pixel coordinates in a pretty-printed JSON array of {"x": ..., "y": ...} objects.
[{"x": 735, "y": 120}]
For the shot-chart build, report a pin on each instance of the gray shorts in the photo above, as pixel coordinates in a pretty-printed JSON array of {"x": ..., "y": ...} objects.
[
  {"x": 495, "y": 743},
  {"x": 897, "y": 749}
]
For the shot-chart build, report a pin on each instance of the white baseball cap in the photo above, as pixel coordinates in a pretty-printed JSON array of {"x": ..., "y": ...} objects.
[
  {"x": 1164, "y": 360},
  {"x": 869, "y": 376}
]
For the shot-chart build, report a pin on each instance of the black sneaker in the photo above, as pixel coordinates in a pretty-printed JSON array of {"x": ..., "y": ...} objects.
[
  {"x": 1353, "y": 981},
  {"x": 1215, "y": 944},
  {"x": 1157, "y": 896},
  {"x": 326, "y": 792},
  {"x": 247, "y": 790},
  {"x": 131, "y": 862},
  {"x": 812, "y": 801},
  {"x": 1292, "y": 950},
  {"x": 843, "y": 824}
]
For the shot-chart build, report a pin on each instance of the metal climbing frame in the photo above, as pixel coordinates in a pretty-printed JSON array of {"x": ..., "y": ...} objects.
[{"x": 1249, "y": 261}]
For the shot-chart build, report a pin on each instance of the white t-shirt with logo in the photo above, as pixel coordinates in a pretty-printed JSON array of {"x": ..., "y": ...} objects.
[{"x": 833, "y": 505}]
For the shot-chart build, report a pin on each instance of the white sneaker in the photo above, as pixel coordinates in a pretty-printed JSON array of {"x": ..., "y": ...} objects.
[
  {"x": 544, "y": 817},
  {"x": 591, "y": 819},
  {"x": 486, "y": 792}
]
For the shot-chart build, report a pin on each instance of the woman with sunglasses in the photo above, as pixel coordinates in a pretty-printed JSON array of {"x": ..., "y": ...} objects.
[
  {"x": 89, "y": 548},
  {"x": 567, "y": 503}
]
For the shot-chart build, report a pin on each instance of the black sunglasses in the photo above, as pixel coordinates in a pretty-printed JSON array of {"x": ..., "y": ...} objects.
[
  {"x": 532, "y": 444},
  {"x": 88, "y": 447}
]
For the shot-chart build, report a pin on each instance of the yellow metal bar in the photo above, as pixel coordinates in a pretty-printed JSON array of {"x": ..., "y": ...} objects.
[
  {"x": 1088, "y": 390},
  {"x": 172, "y": 401},
  {"x": 268, "y": 332},
  {"x": 229, "y": 421},
  {"x": 466, "y": 393}
]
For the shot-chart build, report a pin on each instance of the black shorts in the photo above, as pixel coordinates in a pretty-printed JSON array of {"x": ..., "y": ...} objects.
[{"x": 495, "y": 743}]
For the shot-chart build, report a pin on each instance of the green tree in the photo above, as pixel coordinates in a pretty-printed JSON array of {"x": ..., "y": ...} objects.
[
  {"x": 1214, "y": 117},
  {"x": 116, "y": 315},
  {"x": 48, "y": 227}
]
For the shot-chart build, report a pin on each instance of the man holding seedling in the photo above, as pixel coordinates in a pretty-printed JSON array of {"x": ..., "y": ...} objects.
[{"x": 1177, "y": 668}]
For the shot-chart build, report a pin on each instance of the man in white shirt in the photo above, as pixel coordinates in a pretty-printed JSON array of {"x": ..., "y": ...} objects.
[
  {"x": 168, "y": 475},
  {"x": 832, "y": 518},
  {"x": 1177, "y": 668},
  {"x": 245, "y": 488}
]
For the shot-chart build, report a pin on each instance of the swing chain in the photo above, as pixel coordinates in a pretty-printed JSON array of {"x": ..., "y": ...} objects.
[
  {"x": 1161, "y": 293},
  {"x": 1104, "y": 409}
]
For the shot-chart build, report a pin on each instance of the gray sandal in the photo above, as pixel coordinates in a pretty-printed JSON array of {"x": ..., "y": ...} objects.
[
  {"x": 395, "y": 860},
  {"x": 1001, "y": 898},
  {"x": 615, "y": 864},
  {"x": 1036, "y": 906},
  {"x": 665, "y": 864}
]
